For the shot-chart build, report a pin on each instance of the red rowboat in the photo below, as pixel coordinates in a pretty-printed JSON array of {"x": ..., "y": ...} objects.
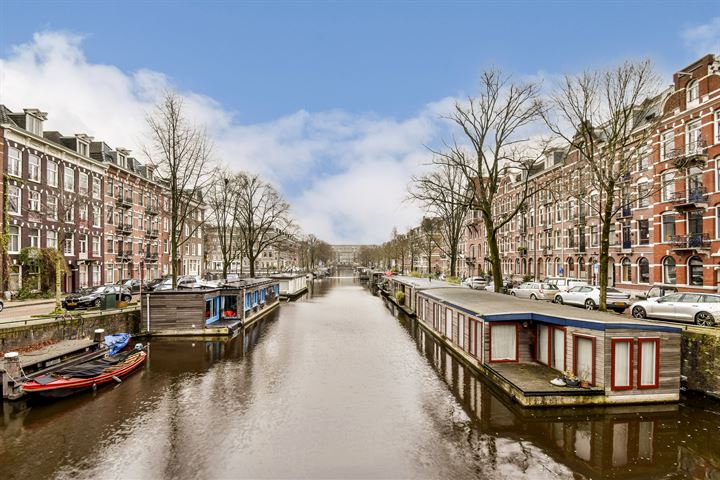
[{"x": 91, "y": 374}]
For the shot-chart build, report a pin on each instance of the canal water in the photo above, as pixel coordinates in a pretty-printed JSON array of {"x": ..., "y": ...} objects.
[{"x": 336, "y": 386}]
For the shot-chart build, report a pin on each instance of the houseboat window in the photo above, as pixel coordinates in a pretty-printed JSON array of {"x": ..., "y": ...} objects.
[
  {"x": 648, "y": 361},
  {"x": 669, "y": 271},
  {"x": 475, "y": 334},
  {"x": 543, "y": 344},
  {"x": 230, "y": 309},
  {"x": 622, "y": 352},
  {"x": 448, "y": 323},
  {"x": 461, "y": 331},
  {"x": 558, "y": 349},
  {"x": 584, "y": 355},
  {"x": 503, "y": 343}
]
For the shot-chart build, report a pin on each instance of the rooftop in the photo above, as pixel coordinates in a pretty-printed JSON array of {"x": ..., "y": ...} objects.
[{"x": 498, "y": 307}]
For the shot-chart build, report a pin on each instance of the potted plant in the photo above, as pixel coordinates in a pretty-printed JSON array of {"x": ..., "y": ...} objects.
[
  {"x": 584, "y": 382},
  {"x": 570, "y": 379}
]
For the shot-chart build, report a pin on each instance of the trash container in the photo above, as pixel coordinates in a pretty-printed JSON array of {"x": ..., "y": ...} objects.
[{"x": 109, "y": 301}]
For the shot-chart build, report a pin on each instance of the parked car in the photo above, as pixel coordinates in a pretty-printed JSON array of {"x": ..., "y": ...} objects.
[
  {"x": 150, "y": 286},
  {"x": 92, "y": 297},
  {"x": 700, "y": 308},
  {"x": 132, "y": 284},
  {"x": 185, "y": 281},
  {"x": 589, "y": 297},
  {"x": 565, "y": 283},
  {"x": 2, "y": 305},
  {"x": 656, "y": 291},
  {"x": 535, "y": 291},
  {"x": 477, "y": 283}
]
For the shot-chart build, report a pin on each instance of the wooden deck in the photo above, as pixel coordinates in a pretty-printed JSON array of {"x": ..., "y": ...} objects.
[{"x": 533, "y": 380}]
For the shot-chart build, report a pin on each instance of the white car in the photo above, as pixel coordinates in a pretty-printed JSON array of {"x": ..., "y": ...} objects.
[
  {"x": 187, "y": 281},
  {"x": 477, "y": 283},
  {"x": 699, "y": 308},
  {"x": 589, "y": 297},
  {"x": 565, "y": 283}
]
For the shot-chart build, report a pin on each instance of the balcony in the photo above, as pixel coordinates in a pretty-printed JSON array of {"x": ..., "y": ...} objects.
[
  {"x": 124, "y": 201},
  {"x": 694, "y": 155},
  {"x": 124, "y": 228},
  {"x": 691, "y": 242},
  {"x": 522, "y": 251},
  {"x": 692, "y": 199},
  {"x": 152, "y": 233},
  {"x": 151, "y": 257},
  {"x": 82, "y": 256},
  {"x": 152, "y": 210},
  {"x": 547, "y": 250},
  {"x": 470, "y": 260}
]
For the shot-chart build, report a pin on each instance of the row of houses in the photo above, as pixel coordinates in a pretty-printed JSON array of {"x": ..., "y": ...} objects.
[{"x": 105, "y": 209}]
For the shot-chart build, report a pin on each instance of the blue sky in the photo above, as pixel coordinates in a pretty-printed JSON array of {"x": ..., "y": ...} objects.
[{"x": 326, "y": 82}]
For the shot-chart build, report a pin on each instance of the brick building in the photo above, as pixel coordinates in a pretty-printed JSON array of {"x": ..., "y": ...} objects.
[{"x": 669, "y": 236}]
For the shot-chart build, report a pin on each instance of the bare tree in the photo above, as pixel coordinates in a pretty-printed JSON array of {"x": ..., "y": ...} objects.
[
  {"x": 494, "y": 125},
  {"x": 443, "y": 193},
  {"x": 428, "y": 241},
  {"x": 607, "y": 117},
  {"x": 264, "y": 217},
  {"x": 223, "y": 201},
  {"x": 180, "y": 151}
]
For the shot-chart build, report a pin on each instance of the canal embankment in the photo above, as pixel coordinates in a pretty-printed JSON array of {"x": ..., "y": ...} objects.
[{"x": 700, "y": 353}]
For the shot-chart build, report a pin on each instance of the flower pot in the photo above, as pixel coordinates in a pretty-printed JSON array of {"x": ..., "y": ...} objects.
[{"x": 584, "y": 384}]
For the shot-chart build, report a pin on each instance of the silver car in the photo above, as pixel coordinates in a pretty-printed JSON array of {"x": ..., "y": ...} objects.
[
  {"x": 535, "y": 291},
  {"x": 477, "y": 283},
  {"x": 589, "y": 297},
  {"x": 700, "y": 308}
]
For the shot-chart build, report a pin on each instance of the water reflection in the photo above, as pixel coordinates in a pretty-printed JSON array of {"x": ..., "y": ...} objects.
[{"x": 650, "y": 441}]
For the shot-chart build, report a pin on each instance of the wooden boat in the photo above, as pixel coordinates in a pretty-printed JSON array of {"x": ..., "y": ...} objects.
[{"x": 83, "y": 376}]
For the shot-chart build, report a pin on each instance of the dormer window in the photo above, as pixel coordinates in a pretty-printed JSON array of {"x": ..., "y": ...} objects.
[
  {"x": 692, "y": 93},
  {"x": 82, "y": 148},
  {"x": 33, "y": 125},
  {"x": 121, "y": 160}
]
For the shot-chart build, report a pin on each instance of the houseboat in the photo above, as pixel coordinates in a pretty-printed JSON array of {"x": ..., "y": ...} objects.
[
  {"x": 403, "y": 290},
  {"x": 208, "y": 311},
  {"x": 292, "y": 285},
  {"x": 522, "y": 345}
]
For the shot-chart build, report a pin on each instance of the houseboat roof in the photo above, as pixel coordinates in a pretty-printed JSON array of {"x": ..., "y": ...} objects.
[
  {"x": 238, "y": 285},
  {"x": 286, "y": 276},
  {"x": 495, "y": 307},
  {"x": 423, "y": 283}
]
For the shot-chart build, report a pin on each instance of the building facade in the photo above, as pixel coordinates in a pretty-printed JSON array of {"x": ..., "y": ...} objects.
[{"x": 667, "y": 233}]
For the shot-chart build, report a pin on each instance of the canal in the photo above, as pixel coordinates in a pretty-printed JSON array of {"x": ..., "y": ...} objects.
[{"x": 334, "y": 385}]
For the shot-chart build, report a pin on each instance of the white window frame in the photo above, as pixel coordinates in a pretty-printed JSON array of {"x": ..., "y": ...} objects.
[
  {"x": 34, "y": 199},
  {"x": 83, "y": 183},
  {"x": 34, "y": 164},
  {"x": 693, "y": 133},
  {"x": 692, "y": 94},
  {"x": 34, "y": 240},
  {"x": 16, "y": 192},
  {"x": 97, "y": 216},
  {"x": 96, "y": 188},
  {"x": 51, "y": 171},
  {"x": 667, "y": 139},
  {"x": 69, "y": 242},
  {"x": 14, "y": 163},
  {"x": 16, "y": 248},
  {"x": 96, "y": 246},
  {"x": 71, "y": 184},
  {"x": 51, "y": 239}
]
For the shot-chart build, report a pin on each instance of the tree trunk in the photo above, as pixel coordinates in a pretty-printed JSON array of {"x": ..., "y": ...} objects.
[
  {"x": 605, "y": 255},
  {"x": 453, "y": 260},
  {"x": 494, "y": 252}
]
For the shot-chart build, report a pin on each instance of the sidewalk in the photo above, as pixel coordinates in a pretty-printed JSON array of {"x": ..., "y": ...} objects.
[{"x": 28, "y": 303}]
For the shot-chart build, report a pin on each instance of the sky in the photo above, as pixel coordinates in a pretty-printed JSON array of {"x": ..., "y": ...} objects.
[{"x": 335, "y": 103}]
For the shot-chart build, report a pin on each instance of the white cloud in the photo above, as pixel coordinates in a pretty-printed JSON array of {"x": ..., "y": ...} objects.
[
  {"x": 703, "y": 39},
  {"x": 345, "y": 175}
]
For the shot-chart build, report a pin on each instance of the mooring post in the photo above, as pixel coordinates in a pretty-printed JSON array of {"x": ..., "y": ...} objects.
[{"x": 99, "y": 334}]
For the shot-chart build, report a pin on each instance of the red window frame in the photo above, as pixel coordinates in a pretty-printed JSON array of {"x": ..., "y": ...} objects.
[
  {"x": 461, "y": 331},
  {"x": 594, "y": 354},
  {"x": 656, "y": 341},
  {"x": 477, "y": 324},
  {"x": 517, "y": 342},
  {"x": 551, "y": 346},
  {"x": 613, "y": 343}
]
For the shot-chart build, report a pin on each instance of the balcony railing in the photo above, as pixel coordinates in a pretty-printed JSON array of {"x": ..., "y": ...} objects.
[
  {"x": 690, "y": 197},
  {"x": 124, "y": 227},
  {"x": 626, "y": 244},
  {"x": 626, "y": 211},
  {"x": 693, "y": 241},
  {"x": 152, "y": 210},
  {"x": 153, "y": 233},
  {"x": 124, "y": 201}
]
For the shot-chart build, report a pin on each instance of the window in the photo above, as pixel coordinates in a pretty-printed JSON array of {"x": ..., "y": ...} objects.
[
  {"x": 84, "y": 183},
  {"x": 558, "y": 349},
  {"x": 695, "y": 271},
  {"x": 69, "y": 244},
  {"x": 52, "y": 207},
  {"x": 96, "y": 246},
  {"x": 543, "y": 354},
  {"x": 82, "y": 148},
  {"x": 51, "y": 170},
  {"x": 34, "y": 236},
  {"x": 667, "y": 144},
  {"x": 644, "y": 231},
  {"x": 644, "y": 270},
  {"x": 643, "y": 192},
  {"x": 692, "y": 93},
  {"x": 621, "y": 373},
  {"x": 109, "y": 245},
  {"x": 503, "y": 342},
  {"x": 96, "y": 188},
  {"x": 97, "y": 216},
  {"x": 14, "y": 162},
  {"x": 110, "y": 189},
  {"x": 14, "y": 240},
  {"x": 692, "y": 137},
  {"x": 648, "y": 363},
  {"x": 717, "y": 127},
  {"x": 109, "y": 273},
  {"x": 594, "y": 238},
  {"x": 584, "y": 358},
  {"x": 33, "y": 125},
  {"x": 626, "y": 270},
  {"x": 96, "y": 274},
  {"x": 83, "y": 244},
  {"x": 51, "y": 237},
  {"x": 33, "y": 168},
  {"x": 668, "y": 227},
  {"x": 669, "y": 271},
  {"x": 70, "y": 214},
  {"x": 34, "y": 201},
  {"x": 109, "y": 211},
  {"x": 668, "y": 186},
  {"x": 14, "y": 199},
  {"x": 69, "y": 179},
  {"x": 83, "y": 210}
]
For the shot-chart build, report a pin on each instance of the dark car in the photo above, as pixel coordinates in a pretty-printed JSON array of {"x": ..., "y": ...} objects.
[
  {"x": 92, "y": 297},
  {"x": 150, "y": 286},
  {"x": 133, "y": 284}
]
